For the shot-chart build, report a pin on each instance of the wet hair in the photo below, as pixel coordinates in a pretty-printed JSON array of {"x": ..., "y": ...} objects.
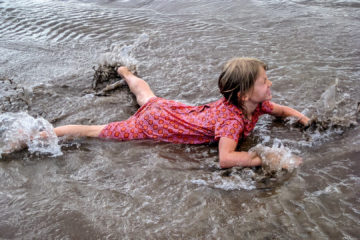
[{"x": 238, "y": 76}]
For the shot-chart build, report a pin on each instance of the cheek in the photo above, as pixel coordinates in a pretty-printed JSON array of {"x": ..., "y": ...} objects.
[
  {"x": 260, "y": 90},
  {"x": 264, "y": 88}
]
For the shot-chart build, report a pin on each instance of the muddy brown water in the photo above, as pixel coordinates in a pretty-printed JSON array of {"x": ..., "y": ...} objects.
[{"x": 148, "y": 190}]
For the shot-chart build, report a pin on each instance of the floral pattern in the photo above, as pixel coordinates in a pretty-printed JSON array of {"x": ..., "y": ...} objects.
[{"x": 171, "y": 121}]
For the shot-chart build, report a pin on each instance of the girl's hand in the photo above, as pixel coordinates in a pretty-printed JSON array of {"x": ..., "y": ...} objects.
[
  {"x": 276, "y": 160},
  {"x": 284, "y": 111},
  {"x": 297, "y": 162}
]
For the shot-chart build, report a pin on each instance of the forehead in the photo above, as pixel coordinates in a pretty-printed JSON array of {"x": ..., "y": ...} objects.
[{"x": 262, "y": 73}]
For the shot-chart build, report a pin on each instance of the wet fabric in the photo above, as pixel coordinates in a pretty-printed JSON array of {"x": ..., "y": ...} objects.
[{"x": 171, "y": 121}]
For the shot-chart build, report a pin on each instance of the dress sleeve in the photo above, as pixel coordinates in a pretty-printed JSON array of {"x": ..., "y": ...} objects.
[
  {"x": 231, "y": 128},
  {"x": 266, "y": 107}
]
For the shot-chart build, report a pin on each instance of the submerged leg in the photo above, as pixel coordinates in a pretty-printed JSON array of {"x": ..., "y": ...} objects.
[
  {"x": 137, "y": 86},
  {"x": 79, "y": 130}
]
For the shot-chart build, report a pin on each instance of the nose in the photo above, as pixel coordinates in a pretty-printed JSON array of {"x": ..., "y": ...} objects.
[{"x": 269, "y": 83}]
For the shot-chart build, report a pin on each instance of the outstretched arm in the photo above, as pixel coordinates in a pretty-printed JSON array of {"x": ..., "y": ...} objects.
[
  {"x": 79, "y": 130},
  {"x": 228, "y": 157},
  {"x": 284, "y": 111}
]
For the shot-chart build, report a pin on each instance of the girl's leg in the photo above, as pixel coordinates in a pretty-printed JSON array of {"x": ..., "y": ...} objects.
[
  {"x": 137, "y": 86},
  {"x": 79, "y": 130},
  {"x": 69, "y": 130}
]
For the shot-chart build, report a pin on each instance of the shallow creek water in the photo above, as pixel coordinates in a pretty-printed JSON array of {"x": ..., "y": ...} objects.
[{"x": 97, "y": 189}]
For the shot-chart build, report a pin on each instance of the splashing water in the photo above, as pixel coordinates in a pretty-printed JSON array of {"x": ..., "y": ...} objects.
[
  {"x": 277, "y": 157},
  {"x": 278, "y": 164},
  {"x": 18, "y": 130},
  {"x": 327, "y": 100},
  {"x": 333, "y": 114},
  {"x": 106, "y": 78},
  {"x": 123, "y": 54}
]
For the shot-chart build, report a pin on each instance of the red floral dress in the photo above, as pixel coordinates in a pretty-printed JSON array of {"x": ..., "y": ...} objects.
[{"x": 170, "y": 121}]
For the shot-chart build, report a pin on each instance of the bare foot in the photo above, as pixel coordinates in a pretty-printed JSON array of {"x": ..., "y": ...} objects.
[
  {"x": 305, "y": 121},
  {"x": 13, "y": 146}
]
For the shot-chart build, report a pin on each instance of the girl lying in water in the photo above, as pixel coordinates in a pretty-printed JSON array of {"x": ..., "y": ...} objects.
[{"x": 246, "y": 90}]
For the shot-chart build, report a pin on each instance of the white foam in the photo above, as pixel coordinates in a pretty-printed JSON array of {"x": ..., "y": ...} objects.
[
  {"x": 19, "y": 129},
  {"x": 236, "y": 180},
  {"x": 277, "y": 157}
]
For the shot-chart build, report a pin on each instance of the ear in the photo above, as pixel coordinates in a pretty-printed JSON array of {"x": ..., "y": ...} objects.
[{"x": 244, "y": 97}]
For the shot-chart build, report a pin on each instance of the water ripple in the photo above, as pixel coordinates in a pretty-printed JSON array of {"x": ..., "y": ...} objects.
[{"x": 62, "y": 23}]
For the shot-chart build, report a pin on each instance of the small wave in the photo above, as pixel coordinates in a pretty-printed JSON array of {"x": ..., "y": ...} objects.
[
  {"x": 18, "y": 130},
  {"x": 232, "y": 179},
  {"x": 238, "y": 178}
]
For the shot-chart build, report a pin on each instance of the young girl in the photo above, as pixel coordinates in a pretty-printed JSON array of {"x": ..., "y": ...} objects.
[{"x": 246, "y": 90}]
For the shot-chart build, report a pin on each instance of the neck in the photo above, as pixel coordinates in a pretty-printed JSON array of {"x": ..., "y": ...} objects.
[{"x": 250, "y": 108}]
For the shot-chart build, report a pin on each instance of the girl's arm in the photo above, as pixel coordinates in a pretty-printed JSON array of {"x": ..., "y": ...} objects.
[
  {"x": 284, "y": 111},
  {"x": 79, "y": 130},
  {"x": 228, "y": 157}
]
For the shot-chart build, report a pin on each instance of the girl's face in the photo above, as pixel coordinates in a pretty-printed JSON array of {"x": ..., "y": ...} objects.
[{"x": 261, "y": 90}]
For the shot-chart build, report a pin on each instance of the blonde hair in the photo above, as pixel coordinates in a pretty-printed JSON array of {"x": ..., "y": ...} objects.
[{"x": 238, "y": 76}]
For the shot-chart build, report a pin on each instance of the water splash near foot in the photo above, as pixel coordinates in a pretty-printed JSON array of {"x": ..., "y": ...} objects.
[
  {"x": 105, "y": 77},
  {"x": 19, "y": 130},
  {"x": 124, "y": 54}
]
